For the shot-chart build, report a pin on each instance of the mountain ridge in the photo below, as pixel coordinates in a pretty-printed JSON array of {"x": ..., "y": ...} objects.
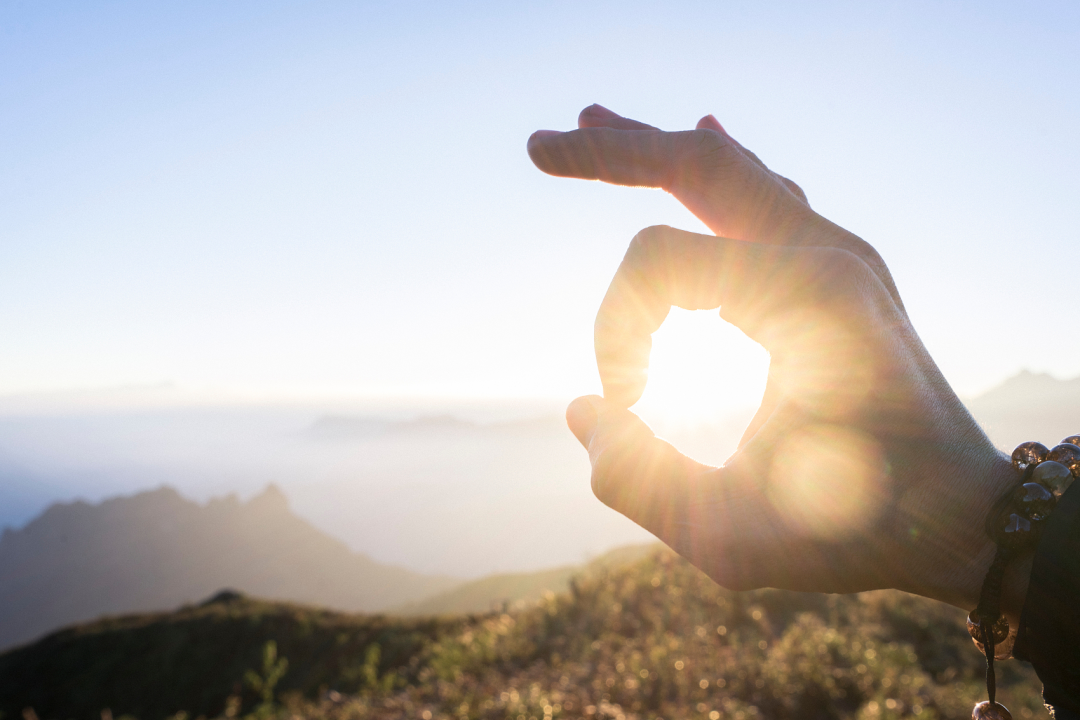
[
  {"x": 1028, "y": 406},
  {"x": 155, "y": 549}
]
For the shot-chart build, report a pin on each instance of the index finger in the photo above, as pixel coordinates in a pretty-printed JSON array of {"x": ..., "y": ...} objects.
[
  {"x": 624, "y": 152},
  {"x": 665, "y": 267},
  {"x": 638, "y": 158},
  {"x": 753, "y": 283}
]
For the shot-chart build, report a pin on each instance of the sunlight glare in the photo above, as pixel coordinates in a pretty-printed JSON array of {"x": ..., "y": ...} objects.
[
  {"x": 827, "y": 481},
  {"x": 702, "y": 370}
]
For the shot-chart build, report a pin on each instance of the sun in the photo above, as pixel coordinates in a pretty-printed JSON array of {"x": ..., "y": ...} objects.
[{"x": 702, "y": 370}]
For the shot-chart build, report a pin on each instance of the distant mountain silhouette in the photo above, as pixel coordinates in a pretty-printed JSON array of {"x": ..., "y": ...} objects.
[
  {"x": 348, "y": 427},
  {"x": 1029, "y": 406},
  {"x": 156, "y": 550}
]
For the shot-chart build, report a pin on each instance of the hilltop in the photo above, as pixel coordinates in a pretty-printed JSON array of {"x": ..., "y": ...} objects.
[
  {"x": 652, "y": 639},
  {"x": 156, "y": 550}
]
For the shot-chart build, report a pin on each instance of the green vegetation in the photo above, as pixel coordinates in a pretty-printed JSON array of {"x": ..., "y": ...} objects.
[
  {"x": 266, "y": 682},
  {"x": 655, "y": 639},
  {"x": 518, "y": 589},
  {"x": 153, "y": 666}
]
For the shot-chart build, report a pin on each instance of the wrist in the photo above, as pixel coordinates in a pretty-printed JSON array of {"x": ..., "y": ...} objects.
[
  {"x": 955, "y": 563},
  {"x": 1000, "y": 479}
]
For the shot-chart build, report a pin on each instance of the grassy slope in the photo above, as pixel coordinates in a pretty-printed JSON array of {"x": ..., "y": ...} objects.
[
  {"x": 649, "y": 640},
  {"x": 518, "y": 589},
  {"x": 154, "y": 665}
]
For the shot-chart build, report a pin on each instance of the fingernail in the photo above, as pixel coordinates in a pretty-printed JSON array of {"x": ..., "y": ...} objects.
[
  {"x": 543, "y": 134},
  {"x": 598, "y": 109},
  {"x": 714, "y": 121}
]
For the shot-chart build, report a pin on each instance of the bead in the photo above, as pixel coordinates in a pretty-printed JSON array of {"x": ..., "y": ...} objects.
[
  {"x": 1068, "y": 455},
  {"x": 1000, "y": 629},
  {"x": 1004, "y": 636},
  {"x": 1003, "y": 651},
  {"x": 1017, "y": 532},
  {"x": 1029, "y": 453},
  {"x": 1072, "y": 440},
  {"x": 1034, "y": 501},
  {"x": 987, "y": 710},
  {"x": 1055, "y": 476}
]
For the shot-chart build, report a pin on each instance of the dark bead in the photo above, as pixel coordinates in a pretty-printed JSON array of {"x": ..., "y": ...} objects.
[
  {"x": 1029, "y": 453},
  {"x": 987, "y": 710},
  {"x": 1055, "y": 476},
  {"x": 1035, "y": 501},
  {"x": 1072, "y": 440},
  {"x": 1000, "y": 629},
  {"x": 1003, "y": 636},
  {"x": 1003, "y": 650},
  {"x": 1068, "y": 455},
  {"x": 1017, "y": 532}
]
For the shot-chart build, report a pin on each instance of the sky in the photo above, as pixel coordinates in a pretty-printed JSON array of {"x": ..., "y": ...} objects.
[{"x": 268, "y": 200}]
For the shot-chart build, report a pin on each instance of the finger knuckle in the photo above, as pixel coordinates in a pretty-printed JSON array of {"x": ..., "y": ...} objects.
[
  {"x": 839, "y": 272},
  {"x": 708, "y": 149},
  {"x": 795, "y": 188},
  {"x": 753, "y": 156},
  {"x": 708, "y": 142},
  {"x": 867, "y": 252},
  {"x": 647, "y": 243}
]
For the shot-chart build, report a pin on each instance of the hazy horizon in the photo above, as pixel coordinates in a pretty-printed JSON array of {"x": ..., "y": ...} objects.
[
  {"x": 433, "y": 485},
  {"x": 468, "y": 498}
]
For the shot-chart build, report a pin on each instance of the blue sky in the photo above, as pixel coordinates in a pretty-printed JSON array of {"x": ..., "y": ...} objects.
[{"x": 287, "y": 199}]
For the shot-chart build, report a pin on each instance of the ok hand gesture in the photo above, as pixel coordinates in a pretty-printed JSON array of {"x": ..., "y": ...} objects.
[{"x": 862, "y": 469}]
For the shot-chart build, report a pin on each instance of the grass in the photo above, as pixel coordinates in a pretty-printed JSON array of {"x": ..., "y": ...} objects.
[{"x": 655, "y": 639}]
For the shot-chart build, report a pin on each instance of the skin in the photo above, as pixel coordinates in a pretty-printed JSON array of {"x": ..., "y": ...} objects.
[{"x": 862, "y": 469}]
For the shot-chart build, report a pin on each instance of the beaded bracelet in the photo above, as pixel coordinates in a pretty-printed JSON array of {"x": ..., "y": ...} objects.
[{"x": 1015, "y": 525}]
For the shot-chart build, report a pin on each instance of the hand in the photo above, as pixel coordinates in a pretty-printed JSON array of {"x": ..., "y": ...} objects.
[{"x": 862, "y": 469}]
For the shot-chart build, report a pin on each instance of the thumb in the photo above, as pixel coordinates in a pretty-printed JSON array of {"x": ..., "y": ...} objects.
[
  {"x": 711, "y": 516},
  {"x": 633, "y": 471},
  {"x": 582, "y": 416}
]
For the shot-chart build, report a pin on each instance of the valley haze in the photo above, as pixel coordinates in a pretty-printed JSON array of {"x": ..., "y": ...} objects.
[{"x": 453, "y": 488}]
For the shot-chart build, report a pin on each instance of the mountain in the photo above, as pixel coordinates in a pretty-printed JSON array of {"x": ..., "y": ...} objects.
[
  {"x": 655, "y": 638},
  {"x": 156, "y": 550},
  {"x": 338, "y": 427},
  {"x": 1029, "y": 406},
  {"x": 452, "y": 489}
]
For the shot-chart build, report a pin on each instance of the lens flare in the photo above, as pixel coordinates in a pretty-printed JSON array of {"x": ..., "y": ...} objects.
[
  {"x": 828, "y": 481},
  {"x": 821, "y": 363}
]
